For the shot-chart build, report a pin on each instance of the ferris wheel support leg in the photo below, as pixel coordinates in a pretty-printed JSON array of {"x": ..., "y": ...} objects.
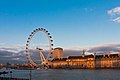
[{"x": 42, "y": 56}]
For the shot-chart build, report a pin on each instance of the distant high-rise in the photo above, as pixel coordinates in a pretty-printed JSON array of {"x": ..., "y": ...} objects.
[{"x": 58, "y": 53}]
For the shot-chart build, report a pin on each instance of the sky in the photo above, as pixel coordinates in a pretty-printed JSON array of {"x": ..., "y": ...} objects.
[
  {"x": 72, "y": 23},
  {"x": 93, "y": 25}
]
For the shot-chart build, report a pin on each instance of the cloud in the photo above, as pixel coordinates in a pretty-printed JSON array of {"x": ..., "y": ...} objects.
[
  {"x": 12, "y": 56},
  {"x": 111, "y": 47},
  {"x": 9, "y": 50},
  {"x": 6, "y": 55},
  {"x": 114, "y": 11},
  {"x": 117, "y": 20},
  {"x": 2, "y": 43},
  {"x": 42, "y": 45},
  {"x": 12, "y": 48},
  {"x": 72, "y": 53},
  {"x": 115, "y": 14},
  {"x": 115, "y": 47}
]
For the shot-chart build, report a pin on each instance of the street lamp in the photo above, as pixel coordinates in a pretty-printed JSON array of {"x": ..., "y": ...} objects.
[{"x": 10, "y": 74}]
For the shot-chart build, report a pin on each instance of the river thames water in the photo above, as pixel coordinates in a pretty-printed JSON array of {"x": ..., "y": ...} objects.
[{"x": 78, "y": 74}]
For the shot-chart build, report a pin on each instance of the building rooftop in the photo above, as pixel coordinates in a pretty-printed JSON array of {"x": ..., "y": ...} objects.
[
  {"x": 58, "y": 48},
  {"x": 59, "y": 59},
  {"x": 87, "y": 56},
  {"x": 107, "y": 56},
  {"x": 80, "y": 57}
]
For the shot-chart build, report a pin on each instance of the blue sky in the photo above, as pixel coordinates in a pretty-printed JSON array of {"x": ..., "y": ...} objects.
[{"x": 72, "y": 23}]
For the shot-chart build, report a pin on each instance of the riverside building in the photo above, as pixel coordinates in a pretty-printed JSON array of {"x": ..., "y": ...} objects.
[{"x": 92, "y": 61}]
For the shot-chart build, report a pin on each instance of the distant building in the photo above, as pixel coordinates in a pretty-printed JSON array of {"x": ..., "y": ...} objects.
[{"x": 58, "y": 53}]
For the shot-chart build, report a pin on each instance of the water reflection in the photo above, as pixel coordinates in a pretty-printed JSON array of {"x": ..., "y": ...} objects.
[{"x": 82, "y": 74}]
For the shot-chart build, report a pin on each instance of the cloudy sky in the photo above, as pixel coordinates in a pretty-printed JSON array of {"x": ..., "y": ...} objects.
[{"x": 73, "y": 24}]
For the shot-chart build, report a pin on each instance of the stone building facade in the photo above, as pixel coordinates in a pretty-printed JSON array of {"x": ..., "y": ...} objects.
[{"x": 88, "y": 61}]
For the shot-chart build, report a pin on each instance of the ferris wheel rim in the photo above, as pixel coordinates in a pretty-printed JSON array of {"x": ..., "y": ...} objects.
[{"x": 29, "y": 59}]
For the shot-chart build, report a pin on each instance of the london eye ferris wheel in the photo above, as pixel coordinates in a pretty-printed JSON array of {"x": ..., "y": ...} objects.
[{"x": 44, "y": 57}]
